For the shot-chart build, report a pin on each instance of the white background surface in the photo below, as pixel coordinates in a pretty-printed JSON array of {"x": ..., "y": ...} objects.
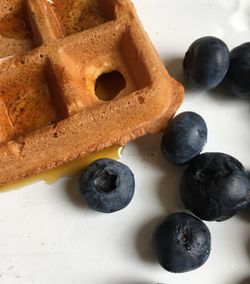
[{"x": 47, "y": 235}]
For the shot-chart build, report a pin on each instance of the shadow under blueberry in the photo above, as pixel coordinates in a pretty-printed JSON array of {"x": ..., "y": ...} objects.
[
  {"x": 245, "y": 215},
  {"x": 168, "y": 187},
  {"x": 149, "y": 147},
  {"x": 248, "y": 249},
  {"x": 73, "y": 193},
  {"x": 245, "y": 281},
  {"x": 149, "y": 150},
  {"x": 144, "y": 240},
  {"x": 221, "y": 93},
  {"x": 175, "y": 69},
  {"x": 168, "y": 190}
]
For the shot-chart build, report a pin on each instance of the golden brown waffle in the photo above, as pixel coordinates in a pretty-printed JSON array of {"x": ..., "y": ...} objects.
[{"x": 49, "y": 113}]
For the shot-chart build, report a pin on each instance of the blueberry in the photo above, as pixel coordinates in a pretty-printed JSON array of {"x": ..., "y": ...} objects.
[
  {"x": 184, "y": 138},
  {"x": 107, "y": 185},
  {"x": 238, "y": 76},
  {"x": 206, "y": 63},
  {"x": 182, "y": 243},
  {"x": 215, "y": 187}
]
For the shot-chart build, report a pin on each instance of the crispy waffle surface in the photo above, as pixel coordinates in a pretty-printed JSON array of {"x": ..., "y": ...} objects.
[{"x": 54, "y": 53}]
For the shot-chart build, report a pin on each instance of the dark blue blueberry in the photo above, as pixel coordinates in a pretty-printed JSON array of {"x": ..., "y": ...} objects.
[
  {"x": 215, "y": 187},
  {"x": 206, "y": 63},
  {"x": 238, "y": 76},
  {"x": 182, "y": 243},
  {"x": 107, "y": 185},
  {"x": 184, "y": 138}
]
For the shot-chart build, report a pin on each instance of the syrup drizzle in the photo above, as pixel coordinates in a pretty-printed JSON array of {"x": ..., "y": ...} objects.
[{"x": 67, "y": 170}]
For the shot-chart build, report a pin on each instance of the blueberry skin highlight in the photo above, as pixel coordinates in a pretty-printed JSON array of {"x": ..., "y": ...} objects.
[
  {"x": 107, "y": 185},
  {"x": 238, "y": 76},
  {"x": 206, "y": 63},
  {"x": 182, "y": 243},
  {"x": 184, "y": 138},
  {"x": 215, "y": 187}
]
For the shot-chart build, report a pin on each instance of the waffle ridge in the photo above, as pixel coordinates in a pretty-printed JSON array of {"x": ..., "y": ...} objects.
[{"x": 49, "y": 112}]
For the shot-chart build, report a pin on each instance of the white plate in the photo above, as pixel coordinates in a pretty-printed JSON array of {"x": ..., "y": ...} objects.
[{"x": 49, "y": 236}]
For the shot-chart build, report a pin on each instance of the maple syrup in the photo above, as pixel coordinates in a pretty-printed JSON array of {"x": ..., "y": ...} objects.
[{"x": 67, "y": 170}]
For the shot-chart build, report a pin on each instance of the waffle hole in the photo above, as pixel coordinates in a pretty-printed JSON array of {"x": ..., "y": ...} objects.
[{"x": 109, "y": 85}]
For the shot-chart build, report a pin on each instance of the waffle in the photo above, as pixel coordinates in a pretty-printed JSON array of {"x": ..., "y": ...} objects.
[{"x": 49, "y": 111}]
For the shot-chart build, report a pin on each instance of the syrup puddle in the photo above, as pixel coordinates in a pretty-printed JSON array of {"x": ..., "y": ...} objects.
[{"x": 67, "y": 170}]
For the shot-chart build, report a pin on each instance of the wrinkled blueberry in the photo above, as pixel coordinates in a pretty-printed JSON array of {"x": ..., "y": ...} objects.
[
  {"x": 184, "y": 138},
  {"x": 206, "y": 63},
  {"x": 238, "y": 76},
  {"x": 215, "y": 187},
  {"x": 107, "y": 185},
  {"x": 182, "y": 243}
]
